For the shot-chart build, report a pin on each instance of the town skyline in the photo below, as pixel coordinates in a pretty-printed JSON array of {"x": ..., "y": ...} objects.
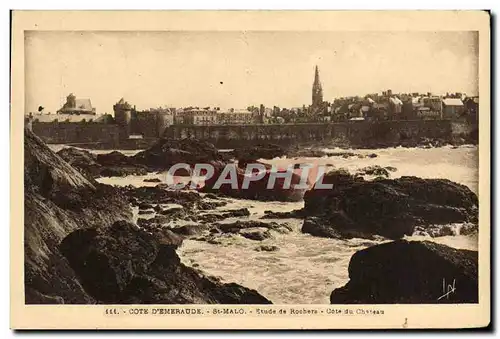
[{"x": 182, "y": 69}]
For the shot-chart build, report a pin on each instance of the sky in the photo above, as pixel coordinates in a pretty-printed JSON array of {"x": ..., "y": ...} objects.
[{"x": 239, "y": 69}]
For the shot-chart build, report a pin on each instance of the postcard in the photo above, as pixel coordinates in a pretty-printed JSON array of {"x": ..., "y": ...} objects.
[{"x": 250, "y": 170}]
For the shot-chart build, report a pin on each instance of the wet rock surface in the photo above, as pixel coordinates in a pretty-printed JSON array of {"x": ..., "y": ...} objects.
[
  {"x": 152, "y": 180},
  {"x": 167, "y": 152},
  {"x": 256, "y": 190},
  {"x": 80, "y": 247},
  {"x": 283, "y": 215},
  {"x": 122, "y": 264},
  {"x": 113, "y": 164},
  {"x": 376, "y": 170},
  {"x": 259, "y": 151},
  {"x": 390, "y": 208},
  {"x": 410, "y": 273},
  {"x": 250, "y": 229},
  {"x": 58, "y": 199}
]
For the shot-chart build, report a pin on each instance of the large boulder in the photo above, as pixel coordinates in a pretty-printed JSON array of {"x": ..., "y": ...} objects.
[
  {"x": 256, "y": 190},
  {"x": 82, "y": 160},
  {"x": 167, "y": 152},
  {"x": 114, "y": 164},
  {"x": 122, "y": 264},
  {"x": 355, "y": 207},
  {"x": 259, "y": 151},
  {"x": 58, "y": 200},
  {"x": 410, "y": 272}
]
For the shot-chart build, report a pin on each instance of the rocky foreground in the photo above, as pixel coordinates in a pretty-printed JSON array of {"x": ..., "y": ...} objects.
[
  {"x": 391, "y": 208},
  {"x": 410, "y": 272},
  {"x": 81, "y": 247}
]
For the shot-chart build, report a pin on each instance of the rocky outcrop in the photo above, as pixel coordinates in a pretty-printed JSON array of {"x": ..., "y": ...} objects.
[
  {"x": 159, "y": 157},
  {"x": 152, "y": 180},
  {"x": 167, "y": 152},
  {"x": 259, "y": 151},
  {"x": 122, "y": 264},
  {"x": 82, "y": 160},
  {"x": 390, "y": 208},
  {"x": 283, "y": 215},
  {"x": 113, "y": 164},
  {"x": 376, "y": 170},
  {"x": 256, "y": 190},
  {"x": 57, "y": 201},
  {"x": 250, "y": 229},
  {"x": 403, "y": 272},
  {"x": 80, "y": 247}
]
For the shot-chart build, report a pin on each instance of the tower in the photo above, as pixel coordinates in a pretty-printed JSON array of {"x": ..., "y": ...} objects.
[
  {"x": 71, "y": 101},
  {"x": 317, "y": 90},
  {"x": 123, "y": 117}
]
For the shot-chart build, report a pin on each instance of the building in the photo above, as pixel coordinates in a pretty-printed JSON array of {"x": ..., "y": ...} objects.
[
  {"x": 472, "y": 106},
  {"x": 452, "y": 108},
  {"x": 395, "y": 106},
  {"x": 123, "y": 118},
  {"x": 197, "y": 116},
  {"x": 76, "y": 106},
  {"x": 235, "y": 117},
  {"x": 435, "y": 103},
  {"x": 317, "y": 91}
]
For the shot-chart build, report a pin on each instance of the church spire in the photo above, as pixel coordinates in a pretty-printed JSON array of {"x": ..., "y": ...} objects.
[{"x": 317, "y": 90}]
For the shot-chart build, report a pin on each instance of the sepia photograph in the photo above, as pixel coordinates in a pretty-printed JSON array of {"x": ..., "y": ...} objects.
[{"x": 330, "y": 172}]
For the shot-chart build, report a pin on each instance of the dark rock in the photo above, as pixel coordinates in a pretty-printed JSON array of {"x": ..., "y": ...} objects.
[
  {"x": 257, "y": 190},
  {"x": 167, "y": 152},
  {"x": 145, "y": 206},
  {"x": 375, "y": 170},
  {"x": 190, "y": 230},
  {"x": 318, "y": 227},
  {"x": 122, "y": 171},
  {"x": 113, "y": 164},
  {"x": 241, "y": 212},
  {"x": 212, "y": 196},
  {"x": 298, "y": 152},
  {"x": 239, "y": 225},
  {"x": 177, "y": 211},
  {"x": 58, "y": 199},
  {"x": 390, "y": 208},
  {"x": 283, "y": 215},
  {"x": 106, "y": 260},
  {"x": 114, "y": 158},
  {"x": 210, "y": 217},
  {"x": 166, "y": 237},
  {"x": 267, "y": 248},
  {"x": 214, "y": 217},
  {"x": 372, "y": 155},
  {"x": 124, "y": 265},
  {"x": 82, "y": 160},
  {"x": 152, "y": 180},
  {"x": 403, "y": 272},
  {"x": 255, "y": 234},
  {"x": 210, "y": 205},
  {"x": 259, "y": 151},
  {"x": 141, "y": 212}
]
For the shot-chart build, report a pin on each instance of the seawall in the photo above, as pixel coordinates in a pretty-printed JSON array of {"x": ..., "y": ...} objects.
[
  {"x": 355, "y": 133},
  {"x": 370, "y": 134}
]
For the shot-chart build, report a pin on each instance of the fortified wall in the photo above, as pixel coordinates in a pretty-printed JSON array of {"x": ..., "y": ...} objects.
[
  {"x": 356, "y": 133},
  {"x": 77, "y": 133}
]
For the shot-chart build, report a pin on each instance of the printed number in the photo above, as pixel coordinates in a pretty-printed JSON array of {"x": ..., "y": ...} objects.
[{"x": 112, "y": 311}]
